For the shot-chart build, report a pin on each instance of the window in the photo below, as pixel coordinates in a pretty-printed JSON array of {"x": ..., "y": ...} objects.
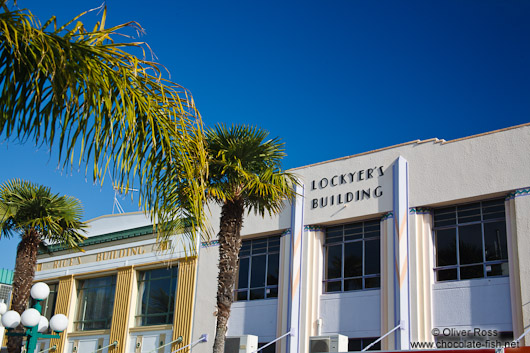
[
  {"x": 259, "y": 262},
  {"x": 95, "y": 303},
  {"x": 352, "y": 257},
  {"x": 358, "y": 344},
  {"x": 48, "y": 304},
  {"x": 156, "y": 296},
  {"x": 470, "y": 241},
  {"x": 268, "y": 349}
]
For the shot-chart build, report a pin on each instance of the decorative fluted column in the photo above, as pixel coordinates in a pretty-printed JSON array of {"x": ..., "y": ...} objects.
[
  {"x": 184, "y": 302},
  {"x": 518, "y": 226},
  {"x": 312, "y": 265},
  {"x": 62, "y": 306},
  {"x": 421, "y": 263},
  {"x": 120, "y": 314}
]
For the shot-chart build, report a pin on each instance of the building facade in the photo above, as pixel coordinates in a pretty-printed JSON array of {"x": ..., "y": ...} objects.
[{"x": 423, "y": 236}]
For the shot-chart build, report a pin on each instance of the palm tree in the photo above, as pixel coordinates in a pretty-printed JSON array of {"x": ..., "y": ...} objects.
[
  {"x": 244, "y": 174},
  {"x": 39, "y": 217},
  {"x": 80, "y": 92}
]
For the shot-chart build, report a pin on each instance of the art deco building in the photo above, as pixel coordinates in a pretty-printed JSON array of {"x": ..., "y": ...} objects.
[{"x": 424, "y": 235}]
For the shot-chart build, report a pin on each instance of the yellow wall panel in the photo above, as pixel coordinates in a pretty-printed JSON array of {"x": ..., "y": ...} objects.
[
  {"x": 184, "y": 301},
  {"x": 62, "y": 306},
  {"x": 120, "y": 314}
]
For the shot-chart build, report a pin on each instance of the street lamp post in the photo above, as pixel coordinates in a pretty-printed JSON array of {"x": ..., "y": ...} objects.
[{"x": 31, "y": 318}]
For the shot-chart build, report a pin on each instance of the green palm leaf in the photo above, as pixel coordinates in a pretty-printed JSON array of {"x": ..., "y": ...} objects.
[{"x": 82, "y": 93}]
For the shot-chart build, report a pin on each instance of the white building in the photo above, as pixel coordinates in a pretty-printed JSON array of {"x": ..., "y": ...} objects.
[{"x": 427, "y": 235}]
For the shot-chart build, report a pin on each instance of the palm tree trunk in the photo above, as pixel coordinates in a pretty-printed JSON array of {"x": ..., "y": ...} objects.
[
  {"x": 229, "y": 245},
  {"x": 23, "y": 280}
]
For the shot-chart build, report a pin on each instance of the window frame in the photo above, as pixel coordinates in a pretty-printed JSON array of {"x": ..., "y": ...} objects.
[
  {"x": 266, "y": 288},
  {"x": 362, "y": 240},
  {"x": 457, "y": 225},
  {"x": 79, "y": 323},
  {"x": 170, "y": 313}
]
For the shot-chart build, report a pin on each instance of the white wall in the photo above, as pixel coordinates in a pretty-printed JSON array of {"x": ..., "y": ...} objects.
[
  {"x": 87, "y": 344},
  {"x": 354, "y": 314},
  {"x": 254, "y": 317},
  {"x": 150, "y": 341},
  {"x": 204, "y": 310},
  {"x": 477, "y": 303}
]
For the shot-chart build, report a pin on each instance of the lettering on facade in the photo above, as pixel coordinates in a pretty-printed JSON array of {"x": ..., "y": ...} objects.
[
  {"x": 103, "y": 256},
  {"x": 347, "y": 179}
]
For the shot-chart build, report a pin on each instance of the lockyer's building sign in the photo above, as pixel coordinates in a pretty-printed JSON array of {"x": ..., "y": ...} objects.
[{"x": 350, "y": 185}]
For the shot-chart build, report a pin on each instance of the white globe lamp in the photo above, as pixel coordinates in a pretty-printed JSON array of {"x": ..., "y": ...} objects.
[
  {"x": 58, "y": 323},
  {"x": 11, "y": 319},
  {"x": 40, "y": 291},
  {"x": 43, "y": 324},
  {"x": 3, "y": 308},
  {"x": 30, "y": 317}
]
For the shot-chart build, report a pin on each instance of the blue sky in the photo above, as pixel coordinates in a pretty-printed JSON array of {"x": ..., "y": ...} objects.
[{"x": 331, "y": 78}]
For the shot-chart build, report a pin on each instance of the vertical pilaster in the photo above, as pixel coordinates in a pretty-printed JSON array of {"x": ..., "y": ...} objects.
[
  {"x": 387, "y": 281},
  {"x": 120, "y": 313},
  {"x": 401, "y": 244},
  {"x": 62, "y": 306},
  {"x": 421, "y": 274},
  {"x": 184, "y": 301},
  {"x": 297, "y": 224},
  {"x": 312, "y": 260},
  {"x": 518, "y": 226}
]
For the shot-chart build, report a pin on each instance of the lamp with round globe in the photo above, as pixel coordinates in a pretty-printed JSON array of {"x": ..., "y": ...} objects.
[{"x": 35, "y": 323}]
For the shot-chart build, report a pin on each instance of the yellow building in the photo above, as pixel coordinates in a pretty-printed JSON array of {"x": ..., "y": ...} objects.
[{"x": 125, "y": 291}]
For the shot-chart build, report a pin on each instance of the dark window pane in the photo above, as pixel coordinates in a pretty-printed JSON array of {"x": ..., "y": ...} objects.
[
  {"x": 259, "y": 268},
  {"x": 372, "y": 260},
  {"x": 446, "y": 247},
  {"x": 368, "y": 341},
  {"x": 497, "y": 270},
  {"x": 372, "y": 282},
  {"x": 268, "y": 349},
  {"x": 242, "y": 281},
  {"x": 257, "y": 274},
  {"x": 242, "y": 295},
  {"x": 333, "y": 286},
  {"x": 96, "y": 301},
  {"x": 469, "y": 213},
  {"x": 272, "y": 292},
  {"x": 334, "y": 262},
  {"x": 155, "y": 320},
  {"x": 159, "y": 296},
  {"x": 471, "y": 272},
  {"x": 334, "y": 234},
  {"x": 353, "y": 232},
  {"x": 353, "y": 256},
  {"x": 245, "y": 248},
  {"x": 257, "y": 294},
  {"x": 493, "y": 209},
  {"x": 470, "y": 246},
  {"x": 353, "y": 284},
  {"x": 495, "y": 241},
  {"x": 272, "y": 271},
  {"x": 355, "y": 345},
  {"x": 446, "y": 275},
  {"x": 445, "y": 216},
  {"x": 505, "y": 336},
  {"x": 259, "y": 246}
]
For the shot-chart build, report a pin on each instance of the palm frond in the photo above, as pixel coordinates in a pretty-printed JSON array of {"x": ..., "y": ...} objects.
[
  {"x": 82, "y": 93},
  {"x": 55, "y": 218},
  {"x": 244, "y": 164}
]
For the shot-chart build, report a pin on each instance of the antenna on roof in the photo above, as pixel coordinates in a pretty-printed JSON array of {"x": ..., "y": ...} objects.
[{"x": 117, "y": 190}]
